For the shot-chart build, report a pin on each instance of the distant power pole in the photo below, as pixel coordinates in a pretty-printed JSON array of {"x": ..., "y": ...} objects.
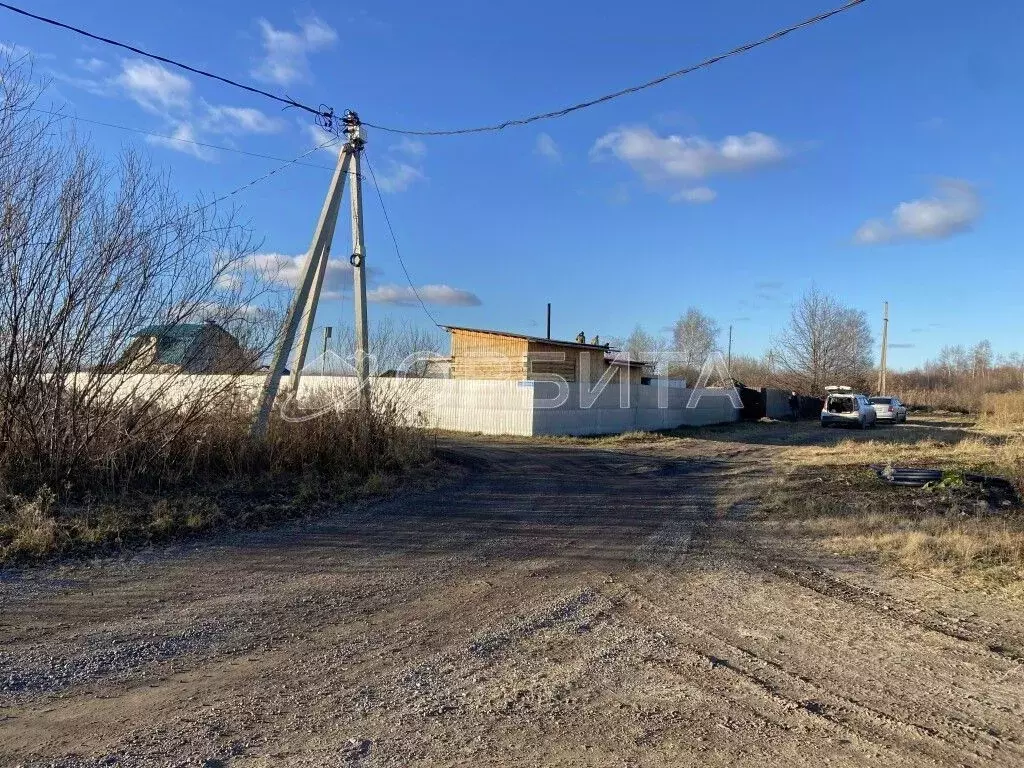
[
  {"x": 729, "y": 363},
  {"x": 323, "y": 358},
  {"x": 302, "y": 309},
  {"x": 885, "y": 350}
]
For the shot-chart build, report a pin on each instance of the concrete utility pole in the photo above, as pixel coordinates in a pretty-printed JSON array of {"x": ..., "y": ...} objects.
[
  {"x": 729, "y": 364},
  {"x": 302, "y": 309},
  {"x": 358, "y": 268},
  {"x": 885, "y": 350},
  {"x": 313, "y": 300}
]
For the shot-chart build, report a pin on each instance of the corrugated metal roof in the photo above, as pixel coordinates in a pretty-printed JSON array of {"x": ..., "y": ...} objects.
[
  {"x": 627, "y": 361},
  {"x": 538, "y": 339},
  {"x": 172, "y": 330},
  {"x": 175, "y": 342}
]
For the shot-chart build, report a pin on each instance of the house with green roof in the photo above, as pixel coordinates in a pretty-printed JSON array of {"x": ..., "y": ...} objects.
[{"x": 186, "y": 348}]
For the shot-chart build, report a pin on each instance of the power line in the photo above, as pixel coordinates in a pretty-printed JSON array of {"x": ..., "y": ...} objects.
[
  {"x": 64, "y": 116},
  {"x": 325, "y": 115},
  {"x": 632, "y": 89},
  {"x": 394, "y": 239},
  {"x": 264, "y": 177}
]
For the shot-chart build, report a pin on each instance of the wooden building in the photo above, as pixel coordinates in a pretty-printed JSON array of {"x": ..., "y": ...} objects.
[{"x": 484, "y": 354}]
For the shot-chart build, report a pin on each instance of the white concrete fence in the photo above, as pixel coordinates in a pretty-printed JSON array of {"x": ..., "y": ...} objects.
[{"x": 470, "y": 405}]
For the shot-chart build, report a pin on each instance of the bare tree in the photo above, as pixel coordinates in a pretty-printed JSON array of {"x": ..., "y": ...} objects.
[
  {"x": 824, "y": 343},
  {"x": 694, "y": 336},
  {"x": 643, "y": 346},
  {"x": 954, "y": 360},
  {"x": 960, "y": 378},
  {"x": 981, "y": 358},
  {"x": 90, "y": 254},
  {"x": 392, "y": 346},
  {"x": 751, "y": 371}
]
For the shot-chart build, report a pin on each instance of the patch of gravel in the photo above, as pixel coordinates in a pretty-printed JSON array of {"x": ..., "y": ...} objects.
[
  {"x": 564, "y": 612},
  {"x": 45, "y": 670}
]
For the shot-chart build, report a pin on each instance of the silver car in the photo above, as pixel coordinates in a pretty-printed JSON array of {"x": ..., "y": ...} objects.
[
  {"x": 889, "y": 409},
  {"x": 845, "y": 407}
]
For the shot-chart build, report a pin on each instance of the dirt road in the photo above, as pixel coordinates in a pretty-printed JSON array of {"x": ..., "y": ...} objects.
[{"x": 550, "y": 606}]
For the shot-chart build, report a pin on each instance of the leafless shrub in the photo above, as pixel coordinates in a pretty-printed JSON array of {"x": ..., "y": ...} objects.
[
  {"x": 89, "y": 255},
  {"x": 968, "y": 380},
  {"x": 395, "y": 349}
]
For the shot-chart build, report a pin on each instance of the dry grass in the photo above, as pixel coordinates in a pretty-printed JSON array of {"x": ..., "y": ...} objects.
[
  {"x": 937, "y": 534},
  {"x": 1005, "y": 411},
  {"x": 952, "y": 445},
  {"x": 953, "y": 399},
  {"x": 218, "y": 478},
  {"x": 827, "y": 496}
]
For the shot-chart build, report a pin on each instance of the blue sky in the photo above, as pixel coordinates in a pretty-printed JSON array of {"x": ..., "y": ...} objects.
[{"x": 875, "y": 154}]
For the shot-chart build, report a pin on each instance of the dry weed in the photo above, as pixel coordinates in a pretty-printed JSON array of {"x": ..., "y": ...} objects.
[
  {"x": 845, "y": 510},
  {"x": 1005, "y": 411}
]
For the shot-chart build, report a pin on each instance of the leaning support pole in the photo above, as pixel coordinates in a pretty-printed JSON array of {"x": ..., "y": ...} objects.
[
  {"x": 317, "y": 249},
  {"x": 308, "y": 316}
]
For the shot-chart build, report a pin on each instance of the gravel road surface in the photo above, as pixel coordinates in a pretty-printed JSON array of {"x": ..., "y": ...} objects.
[{"x": 551, "y": 605}]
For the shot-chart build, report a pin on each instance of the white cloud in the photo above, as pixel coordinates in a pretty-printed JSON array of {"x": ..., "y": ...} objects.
[
  {"x": 398, "y": 177},
  {"x": 236, "y": 120},
  {"x": 327, "y": 142},
  {"x": 229, "y": 281},
  {"x": 286, "y": 54},
  {"x": 673, "y": 158},
  {"x": 180, "y": 141},
  {"x": 547, "y": 148},
  {"x": 695, "y": 195},
  {"x": 393, "y": 175},
  {"x": 14, "y": 51},
  {"x": 103, "y": 88},
  {"x": 872, "y": 232},
  {"x": 287, "y": 270},
  {"x": 409, "y": 146},
  {"x": 91, "y": 64},
  {"x": 154, "y": 87},
  {"x": 953, "y": 209},
  {"x": 403, "y": 295}
]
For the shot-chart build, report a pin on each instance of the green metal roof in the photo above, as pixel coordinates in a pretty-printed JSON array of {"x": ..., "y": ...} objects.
[
  {"x": 175, "y": 343},
  {"x": 172, "y": 331}
]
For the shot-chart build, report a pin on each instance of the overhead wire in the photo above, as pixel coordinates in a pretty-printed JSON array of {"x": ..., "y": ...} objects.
[
  {"x": 394, "y": 239},
  {"x": 78, "y": 118},
  {"x": 325, "y": 115},
  {"x": 264, "y": 177},
  {"x": 629, "y": 90}
]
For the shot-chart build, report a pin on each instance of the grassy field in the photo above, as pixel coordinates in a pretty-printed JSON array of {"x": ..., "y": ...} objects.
[
  {"x": 827, "y": 494},
  {"x": 226, "y": 481}
]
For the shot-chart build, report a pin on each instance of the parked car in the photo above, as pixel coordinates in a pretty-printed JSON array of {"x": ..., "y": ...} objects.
[
  {"x": 846, "y": 407},
  {"x": 889, "y": 409}
]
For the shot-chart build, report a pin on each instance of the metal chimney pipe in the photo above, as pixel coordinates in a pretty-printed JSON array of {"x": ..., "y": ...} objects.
[{"x": 549, "y": 319}]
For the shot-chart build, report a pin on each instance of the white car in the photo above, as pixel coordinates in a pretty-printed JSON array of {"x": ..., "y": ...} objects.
[
  {"x": 889, "y": 409},
  {"x": 844, "y": 406}
]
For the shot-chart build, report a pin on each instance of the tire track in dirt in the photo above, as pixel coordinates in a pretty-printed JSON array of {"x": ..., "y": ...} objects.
[
  {"x": 800, "y": 690},
  {"x": 793, "y": 690},
  {"x": 496, "y": 620}
]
